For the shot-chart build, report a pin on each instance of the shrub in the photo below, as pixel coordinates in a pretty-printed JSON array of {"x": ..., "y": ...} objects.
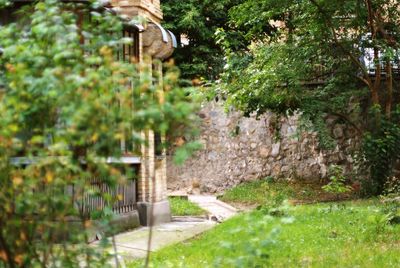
[
  {"x": 66, "y": 105},
  {"x": 380, "y": 152},
  {"x": 337, "y": 184}
]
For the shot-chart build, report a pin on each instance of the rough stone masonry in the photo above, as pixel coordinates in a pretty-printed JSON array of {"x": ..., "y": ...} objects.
[{"x": 237, "y": 149}]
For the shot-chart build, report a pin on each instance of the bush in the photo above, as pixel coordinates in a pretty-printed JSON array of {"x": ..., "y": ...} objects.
[
  {"x": 337, "y": 182},
  {"x": 380, "y": 152},
  {"x": 65, "y": 106}
]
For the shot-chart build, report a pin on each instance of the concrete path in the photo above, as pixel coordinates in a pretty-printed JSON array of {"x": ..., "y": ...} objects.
[
  {"x": 218, "y": 210},
  {"x": 133, "y": 245}
]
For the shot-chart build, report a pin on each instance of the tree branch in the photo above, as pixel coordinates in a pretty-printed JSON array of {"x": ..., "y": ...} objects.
[
  {"x": 370, "y": 18},
  {"x": 366, "y": 79},
  {"x": 389, "y": 87},
  {"x": 348, "y": 120}
]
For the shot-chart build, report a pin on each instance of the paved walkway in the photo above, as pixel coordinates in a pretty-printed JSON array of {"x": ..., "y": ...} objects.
[
  {"x": 133, "y": 245},
  {"x": 218, "y": 210}
]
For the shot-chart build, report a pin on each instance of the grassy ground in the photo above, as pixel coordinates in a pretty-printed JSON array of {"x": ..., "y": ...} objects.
[
  {"x": 183, "y": 207},
  {"x": 341, "y": 234},
  {"x": 263, "y": 191},
  {"x": 351, "y": 234}
]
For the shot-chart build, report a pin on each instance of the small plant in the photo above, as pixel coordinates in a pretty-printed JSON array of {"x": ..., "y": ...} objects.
[
  {"x": 379, "y": 222},
  {"x": 275, "y": 128},
  {"x": 235, "y": 132},
  {"x": 392, "y": 186},
  {"x": 337, "y": 184},
  {"x": 391, "y": 207},
  {"x": 281, "y": 208}
]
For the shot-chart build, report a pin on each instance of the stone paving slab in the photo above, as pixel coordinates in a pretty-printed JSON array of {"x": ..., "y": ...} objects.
[{"x": 214, "y": 206}]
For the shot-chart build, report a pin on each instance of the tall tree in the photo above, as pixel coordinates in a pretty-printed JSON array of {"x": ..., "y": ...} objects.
[
  {"x": 198, "y": 21},
  {"x": 325, "y": 57}
]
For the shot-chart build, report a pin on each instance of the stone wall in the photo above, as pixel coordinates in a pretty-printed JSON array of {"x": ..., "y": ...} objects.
[{"x": 237, "y": 149}]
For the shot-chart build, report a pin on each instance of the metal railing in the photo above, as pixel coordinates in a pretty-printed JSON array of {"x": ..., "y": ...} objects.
[
  {"x": 124, "y": 197},
  {"x": 121, "y": 198}
]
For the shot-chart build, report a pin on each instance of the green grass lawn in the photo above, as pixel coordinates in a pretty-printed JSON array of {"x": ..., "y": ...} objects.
[
  {"x": 257, "y": 192},
  {"x": 318, "y": 235},
  {"x": 183, "y": 207},
  {"x": 344, "y": 234},
  {"x": 261, "y": 192}
]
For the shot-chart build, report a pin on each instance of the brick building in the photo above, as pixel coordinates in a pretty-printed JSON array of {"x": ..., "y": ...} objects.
[{"x": 155, "y": 43}]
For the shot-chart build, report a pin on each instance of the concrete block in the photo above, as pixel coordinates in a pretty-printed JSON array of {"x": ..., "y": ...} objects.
[{"x": 161, "y": 212}]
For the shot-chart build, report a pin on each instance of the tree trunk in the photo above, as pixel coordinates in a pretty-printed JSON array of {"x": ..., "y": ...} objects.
[{"x": 389, "y": 89}]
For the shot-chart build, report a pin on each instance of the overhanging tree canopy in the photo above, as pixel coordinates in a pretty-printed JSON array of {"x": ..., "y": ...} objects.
[
  {"x": 324, "y": 57},
  {"x": 314, "y": 40}
]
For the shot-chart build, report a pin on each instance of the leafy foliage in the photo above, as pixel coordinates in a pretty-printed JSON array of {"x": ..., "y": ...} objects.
[
  {"x": 279, "y": 64},
  {"x": 337, "y": 181},
  {"x": 198, "y": 20},
  {"x": 319, "y": 58},
  {"x": 66, "y": 103},
  {"x": 380, "y": 149}
]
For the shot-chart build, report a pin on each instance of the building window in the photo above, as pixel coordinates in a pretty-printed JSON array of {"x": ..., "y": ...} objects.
[
  {"x": 157, "y": 81},
  {"x": 130, "y": 52}
]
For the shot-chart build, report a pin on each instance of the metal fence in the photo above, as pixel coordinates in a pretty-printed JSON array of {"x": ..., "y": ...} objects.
[{"x": 123, "y": 197}]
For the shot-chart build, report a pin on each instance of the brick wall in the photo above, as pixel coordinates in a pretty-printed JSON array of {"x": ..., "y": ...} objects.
[
  {"x": 146, "y": 8},
  {"x": 152, "y": 184}
]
